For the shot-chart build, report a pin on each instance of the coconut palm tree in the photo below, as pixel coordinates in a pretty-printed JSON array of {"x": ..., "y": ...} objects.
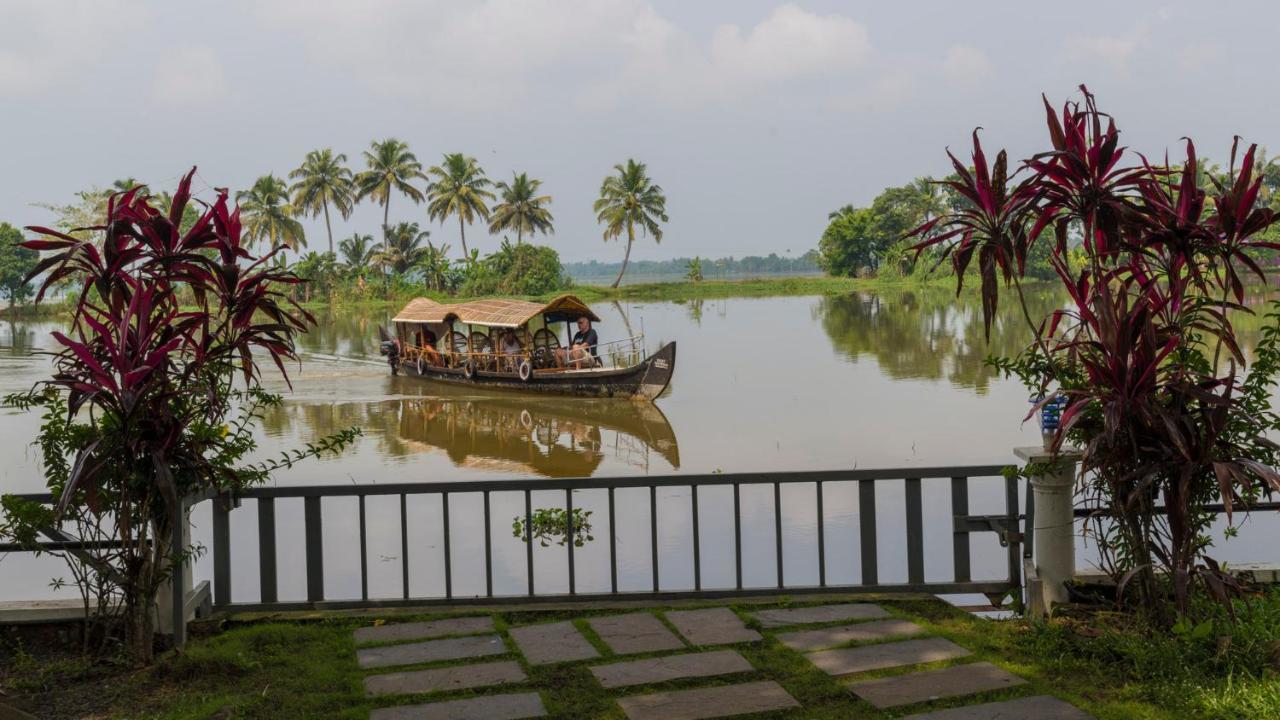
[
  {"x": 266, "y": 214},
  {"x": 521, "y": 209},
  {"x": 402, "y": 248},
  {"x": 628, "y": 199},
  {"x": 391, "y": 168},
  {"x": 435, "y": 267},
  {"x": 357, "y": 253},
  {"x": 323, "y": 180},
  {"x": 459, "y": 189}
]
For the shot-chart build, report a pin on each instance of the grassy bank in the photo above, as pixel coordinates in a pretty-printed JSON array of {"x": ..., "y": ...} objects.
[
  {"x": 307, "y": 669},
  {"x": 674, "y": 291}
]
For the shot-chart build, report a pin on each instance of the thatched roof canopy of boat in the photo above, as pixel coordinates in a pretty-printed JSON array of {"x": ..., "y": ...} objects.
[{"x": 494, "y": 312}]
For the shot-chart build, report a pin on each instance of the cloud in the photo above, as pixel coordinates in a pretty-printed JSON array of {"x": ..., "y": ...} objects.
[
  {"x": 487, "y": 54},
  {"x": 1113, "y": 51},
  {"x": 44, "y": 44},
  {"x": 966, "y": 65},
  {"x": 189, "y": 76}
]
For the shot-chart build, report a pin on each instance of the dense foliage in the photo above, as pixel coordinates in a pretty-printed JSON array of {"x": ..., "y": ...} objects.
[
  {"x": 16, "y": 262},
  {"x": 155, "y": 393},
  {"x": 771, "y": 264},
  {"x": 1145, "y": 354}
]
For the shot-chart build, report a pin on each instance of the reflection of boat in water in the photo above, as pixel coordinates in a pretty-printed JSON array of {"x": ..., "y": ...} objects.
[
  {"x": 539, "y": 435},
  {"x": 513, "y": 345}
]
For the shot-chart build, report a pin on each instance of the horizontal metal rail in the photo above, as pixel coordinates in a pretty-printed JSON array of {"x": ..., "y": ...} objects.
[{"x": 866, "y": 480}]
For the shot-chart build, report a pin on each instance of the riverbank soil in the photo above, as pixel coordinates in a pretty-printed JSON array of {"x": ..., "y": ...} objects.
[{"x": 849, "y": 658}]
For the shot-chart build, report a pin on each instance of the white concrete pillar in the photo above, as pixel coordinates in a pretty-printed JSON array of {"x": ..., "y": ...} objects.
[{"x": 1053, "y": 531}]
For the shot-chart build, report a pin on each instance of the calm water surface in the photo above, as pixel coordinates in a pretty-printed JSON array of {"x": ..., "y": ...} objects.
[{"x": 894, "y": 379}]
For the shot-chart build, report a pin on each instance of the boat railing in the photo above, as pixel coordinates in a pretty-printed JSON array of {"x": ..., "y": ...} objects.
[{"x": 622, "y": 353}]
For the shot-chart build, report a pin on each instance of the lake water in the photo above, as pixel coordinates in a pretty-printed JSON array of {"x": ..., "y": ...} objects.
[{"x": 868, "y": 380}]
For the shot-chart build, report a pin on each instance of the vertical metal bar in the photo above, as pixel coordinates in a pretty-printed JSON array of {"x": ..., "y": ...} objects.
[
  {"x": 1028, "y": 532},
  {"x": 613, "y": 545},
  {"x": 867, "y": 530},
  {"x": 777, "y": 528},
  {"x": 267, "y": 550},
  {"x": 915, "y": 532},
  {"x": 315, "y": 548},
  {"x": 568, "y": 523},
  {"x": 528, "y": 537},
  {"x": 1011, "y": 522},
  {"x": 959, "y": 538},
  {"x": 404, "y": 546},
  {"x": 448, "y": 556},
  {"x": 737, "y": 533},
  {"x": 488, "y": 550},
  {"x": 822, "y": 540},
  {"x": 177, "y": 581},
  {"x": 221, "y": 551},
  {"x": 364, "y": 554},
  {"x": 697, "y": 539},
  {"x": 653, "y": 531}
]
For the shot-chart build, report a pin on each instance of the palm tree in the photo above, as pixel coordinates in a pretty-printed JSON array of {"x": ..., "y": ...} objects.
[
  {"x": 402, "y": 249},
  {"x": 627, "y": 199},
  {"x": 435, "y": 267},
  {"x": 521, "y": 209},
  {"x": 322, "y": 180},
  {"x": 357, "y": 253},
  {"x": 458, "y": 189},
  {"x": 391, "y": 167},
  {"x": 265, "y": 213}
]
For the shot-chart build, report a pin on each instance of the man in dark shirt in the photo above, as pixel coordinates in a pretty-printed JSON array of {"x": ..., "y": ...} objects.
[{"x": 582, "y": 349}]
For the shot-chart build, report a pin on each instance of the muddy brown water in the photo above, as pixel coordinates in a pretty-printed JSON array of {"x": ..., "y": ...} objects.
[{"x": 893, "y": 379}]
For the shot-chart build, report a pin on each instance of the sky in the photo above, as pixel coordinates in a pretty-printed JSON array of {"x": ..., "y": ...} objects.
[{"x": 757, "y": 118}]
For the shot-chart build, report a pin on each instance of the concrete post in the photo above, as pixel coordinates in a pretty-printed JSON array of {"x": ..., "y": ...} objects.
[
  {"x": 1054, "y": 530},
  {"x": 167, "y": 600}
]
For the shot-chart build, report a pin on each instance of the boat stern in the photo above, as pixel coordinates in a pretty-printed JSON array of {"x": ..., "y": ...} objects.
[{"x": 658, "y": 370}]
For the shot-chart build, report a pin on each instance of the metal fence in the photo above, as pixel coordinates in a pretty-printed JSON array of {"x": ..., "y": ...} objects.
[{"x": 1005, "y": 525}]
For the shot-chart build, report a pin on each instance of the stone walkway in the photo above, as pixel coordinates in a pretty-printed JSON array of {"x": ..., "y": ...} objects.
[{"x": 878, "y": 657}]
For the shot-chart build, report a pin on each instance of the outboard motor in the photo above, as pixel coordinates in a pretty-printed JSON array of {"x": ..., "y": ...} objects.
[{"x": 391, "y": 350}]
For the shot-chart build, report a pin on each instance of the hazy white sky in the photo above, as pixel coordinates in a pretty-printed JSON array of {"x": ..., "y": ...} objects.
[{"x": 756, "y": 117}]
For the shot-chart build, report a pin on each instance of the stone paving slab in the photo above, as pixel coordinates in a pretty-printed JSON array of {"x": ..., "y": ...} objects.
[
  {"x": 424, "y": 630},
  {"x": 487, "y": 707},
  {"x": 552, "y": 643},
  {"x": 713, "y": 626},
  {"x": 715, "y": 702},
  {"x": 935, "y": 684},
  {"x": 819, "y": 614},
  {"x": 847, "y": 661},
  {"x": 444, "y": 679},
  {"x": 1040, "y": 707},
  {"x": 809, "y": 640},
  {"x": 671, "y": 667},
  {"x": 635, "y": 633},
  {"x": 430, "y": 651}
]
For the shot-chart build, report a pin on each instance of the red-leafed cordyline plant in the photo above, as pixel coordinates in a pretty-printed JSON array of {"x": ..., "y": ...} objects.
[
  {"x": 155, "y": 393},
  {"x": 1144, "y": 350}
]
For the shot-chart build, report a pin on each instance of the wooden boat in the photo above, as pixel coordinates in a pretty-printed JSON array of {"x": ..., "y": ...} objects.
[{"x": 467, "y": 350}]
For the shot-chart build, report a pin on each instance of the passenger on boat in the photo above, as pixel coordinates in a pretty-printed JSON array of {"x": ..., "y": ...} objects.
[
  {"x": 509, "y": 347},
  {"x": 427, "y": 347},
  {"x": 582, "y": 349}
]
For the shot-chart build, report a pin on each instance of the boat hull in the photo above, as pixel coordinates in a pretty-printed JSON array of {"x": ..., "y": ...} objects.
[{"x": 643, "y": 381}]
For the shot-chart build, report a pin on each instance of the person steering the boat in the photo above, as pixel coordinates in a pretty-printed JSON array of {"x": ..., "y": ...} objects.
[
  {"x": 582, "y": 349},
  {"x": 427, "y": 346}
]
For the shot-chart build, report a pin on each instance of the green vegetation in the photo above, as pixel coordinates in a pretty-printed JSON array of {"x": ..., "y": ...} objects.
[
  {"x": 771, "y": 264},
  {"x": 522, "y": 209},
  {"x": 628, "y": 199},
  {"x": 694, "y": 272},
  {"x": 323, "y": 180},
  {"x": 15, "y": 263},
  {"x": 460, "y": 188},
  {"x": 391, "y": 168},
  {"x": 307, "y": 669},
  {"x": 266, "y": 214}
]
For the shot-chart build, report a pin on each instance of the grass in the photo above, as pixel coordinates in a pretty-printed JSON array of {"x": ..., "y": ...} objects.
[
  {"x": 307, "y": 669},
  {"x": 675, "y": 291}
]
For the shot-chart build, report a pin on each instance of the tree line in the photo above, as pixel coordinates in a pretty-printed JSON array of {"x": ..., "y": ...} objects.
[
  {"x": 402, "y": 253},
  {"x": 872, "y": 241}
]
